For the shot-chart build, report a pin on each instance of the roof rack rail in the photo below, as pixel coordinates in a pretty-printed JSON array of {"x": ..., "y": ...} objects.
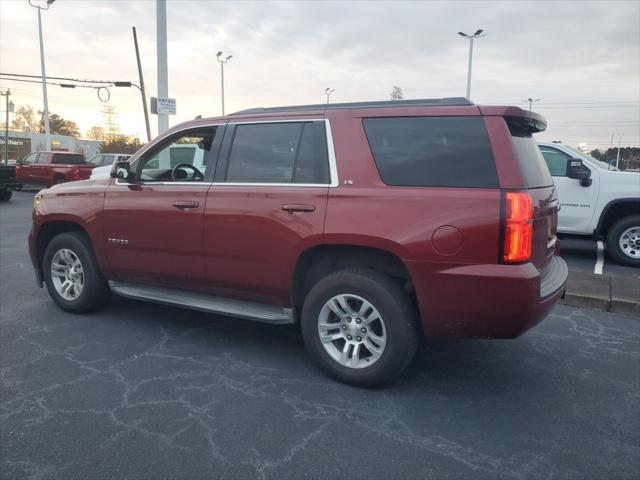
[{"x": 426, "y": 102}]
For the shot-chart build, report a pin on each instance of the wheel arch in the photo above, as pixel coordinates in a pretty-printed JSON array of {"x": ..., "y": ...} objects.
[
  {"x": 614, "y": 211},
  {"x": 49, "y": 230},
  {"x": 318, "y": 261}
]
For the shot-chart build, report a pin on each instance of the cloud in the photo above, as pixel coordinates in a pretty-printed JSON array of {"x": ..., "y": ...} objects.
[{"x": 288, "y": 52}]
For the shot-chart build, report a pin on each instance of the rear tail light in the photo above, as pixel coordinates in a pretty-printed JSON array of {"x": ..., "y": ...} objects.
[{"x": 518, "y": 228}]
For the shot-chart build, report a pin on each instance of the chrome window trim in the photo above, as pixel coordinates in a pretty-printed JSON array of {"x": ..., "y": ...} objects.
[{"x": 331, "y": 153}]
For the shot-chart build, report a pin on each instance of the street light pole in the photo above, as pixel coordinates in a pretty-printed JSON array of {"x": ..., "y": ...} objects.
[
  {"x": 222, "y": 62},
  {"x": 471, "y": 38},
  {"x": 328, "y": 91},
  {"x": 47, "y": 134},
  {"x": 531, "y": 101}
]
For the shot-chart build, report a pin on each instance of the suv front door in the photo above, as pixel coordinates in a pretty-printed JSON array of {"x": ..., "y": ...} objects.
[
  {"x": 153, "y": 222},
  {"x": 266, "y": 205}
]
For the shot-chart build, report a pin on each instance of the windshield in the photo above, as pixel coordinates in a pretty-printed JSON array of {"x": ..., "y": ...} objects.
[{"x": 586, "y": 156}]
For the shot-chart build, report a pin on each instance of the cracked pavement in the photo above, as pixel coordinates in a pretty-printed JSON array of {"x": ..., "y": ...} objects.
[{"x": 140, "y": 390}]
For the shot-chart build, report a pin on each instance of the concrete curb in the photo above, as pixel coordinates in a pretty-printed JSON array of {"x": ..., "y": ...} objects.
[{"x": 603, "y": 292}]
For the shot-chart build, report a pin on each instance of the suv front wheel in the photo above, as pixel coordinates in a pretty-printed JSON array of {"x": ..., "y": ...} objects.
[
  {"x": 72, "y": 275},
  {"x": 360, "y": 327},
  {"x": 623, "y": 241}
]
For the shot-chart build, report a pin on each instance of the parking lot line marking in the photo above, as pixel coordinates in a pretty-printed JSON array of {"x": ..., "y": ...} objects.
[{"x": 600, "y": 261}]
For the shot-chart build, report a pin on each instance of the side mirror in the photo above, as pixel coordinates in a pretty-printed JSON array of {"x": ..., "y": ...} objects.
[
  {"x": 577, "y": 170},
  {"x": 121, "y": 170}
]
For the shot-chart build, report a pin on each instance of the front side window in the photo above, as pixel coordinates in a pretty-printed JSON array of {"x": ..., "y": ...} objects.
[
  {"x": 432, "y": 151},
  {"x": 29, "y": 158},
  {"x": 182, "y": 158},
  {"x": 287, "y": 152},
  {"x": 42, "y": 158},
  {"x": 556, "y": 161},
  {"x": 96, "y": 160}
]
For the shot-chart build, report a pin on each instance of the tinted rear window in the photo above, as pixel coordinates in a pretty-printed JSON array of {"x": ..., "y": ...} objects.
[
  {"x": 532, "y": 165},
  {"x": 68, "y": 158},
  {"x": 432, "y": 151}
]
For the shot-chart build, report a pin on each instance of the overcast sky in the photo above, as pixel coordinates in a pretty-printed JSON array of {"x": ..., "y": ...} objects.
[{"x": 573, "y": 55}]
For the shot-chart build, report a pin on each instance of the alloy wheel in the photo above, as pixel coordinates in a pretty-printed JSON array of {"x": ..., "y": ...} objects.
[
  {"x": 67, "y": 274},
  {"x": 352, "y": 331}
]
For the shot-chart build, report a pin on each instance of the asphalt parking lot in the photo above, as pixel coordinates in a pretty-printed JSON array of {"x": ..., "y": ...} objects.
[
  {"x": 145, "y": 391},
  {"x": 581, "y": 255}
]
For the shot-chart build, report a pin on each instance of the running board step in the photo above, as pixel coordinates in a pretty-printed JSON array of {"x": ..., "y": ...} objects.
[{"x": 260, "y": 312}]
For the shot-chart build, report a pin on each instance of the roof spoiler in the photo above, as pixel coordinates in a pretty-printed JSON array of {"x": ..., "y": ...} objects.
[{"x": 519, "y": 120}]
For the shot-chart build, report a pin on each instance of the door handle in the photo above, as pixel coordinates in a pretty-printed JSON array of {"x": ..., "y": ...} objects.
[
  {"x": 186, "y": 205},
  {"x": 298, "y": 208}
]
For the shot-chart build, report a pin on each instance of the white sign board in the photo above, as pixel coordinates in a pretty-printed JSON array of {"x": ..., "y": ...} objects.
[{"x": 163, "y": 106}]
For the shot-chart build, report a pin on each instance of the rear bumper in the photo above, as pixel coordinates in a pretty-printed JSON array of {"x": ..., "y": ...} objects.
[
  {"x": 485, "y": 301},
  {"x": 11, "y": 186}
]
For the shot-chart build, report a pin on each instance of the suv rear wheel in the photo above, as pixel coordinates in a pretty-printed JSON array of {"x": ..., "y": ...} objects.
[
  {"x": 359, "y": 326},
  {"x": 623, "y": 241},
  {"x": 71, "y": 274}
]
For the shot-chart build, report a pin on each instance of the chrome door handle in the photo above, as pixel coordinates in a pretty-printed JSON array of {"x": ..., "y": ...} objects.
[
  {"x": 186, "y": 205},
  {"x": 298, "y": 208}
]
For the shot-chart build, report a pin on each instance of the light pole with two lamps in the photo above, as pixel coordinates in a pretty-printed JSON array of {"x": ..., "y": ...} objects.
[
  {"x": 471, "y": 38},
  {"x": 222, "y": 62},
  {"x": 328, "y": 91},
  {"x": 531, "y": 101}
]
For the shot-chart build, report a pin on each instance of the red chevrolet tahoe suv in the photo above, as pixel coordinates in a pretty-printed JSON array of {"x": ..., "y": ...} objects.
[
  {"x": 51, "y": 168},
  {"x": 369, "y": 223}
]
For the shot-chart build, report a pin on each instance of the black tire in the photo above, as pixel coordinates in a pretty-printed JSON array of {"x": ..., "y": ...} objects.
[
  {"x": 394, "y": 306},
  {"x": 613, "y": 241},
  {"x": 5, "y": 195},
  {"x": 95, "y": 292},
  {"x": 58, "y": 181}
]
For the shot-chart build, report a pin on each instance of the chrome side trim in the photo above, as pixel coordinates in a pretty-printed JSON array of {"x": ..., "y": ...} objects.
[{"x": 260, "y": 312}]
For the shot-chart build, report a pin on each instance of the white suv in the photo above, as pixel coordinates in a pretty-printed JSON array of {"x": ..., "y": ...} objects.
[{"x": 596, "y": 200}]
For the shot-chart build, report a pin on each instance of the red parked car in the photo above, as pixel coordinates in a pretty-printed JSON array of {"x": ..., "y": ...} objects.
[
  {"x": 369, "y": 223},
  {"x": 51, "y": 168}
]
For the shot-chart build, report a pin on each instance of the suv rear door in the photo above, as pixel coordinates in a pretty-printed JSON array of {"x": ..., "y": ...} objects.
[
  {"x": 266, "y": 206},
  {"x": 539, "y": 184}
]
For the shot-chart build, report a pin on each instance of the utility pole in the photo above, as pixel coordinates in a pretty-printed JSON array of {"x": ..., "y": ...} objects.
[
  {"x": 328, "y": 91},
  {"x": 112, "y": 129},
  {"x": 44, "y": 75},
  {"x": 163, "y": 69},
  {"x": 222, "y": 62},
  {"x": 7, "y": 94},
  {"x": 142, "y": 92},
  {"x": 471, "y": 38}
]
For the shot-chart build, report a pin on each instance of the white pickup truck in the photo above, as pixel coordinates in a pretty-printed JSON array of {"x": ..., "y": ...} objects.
[{"x": 596, "y": 200}]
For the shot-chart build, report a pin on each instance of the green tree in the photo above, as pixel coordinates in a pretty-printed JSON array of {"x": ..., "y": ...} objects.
[{"x": 121, "y": 143}]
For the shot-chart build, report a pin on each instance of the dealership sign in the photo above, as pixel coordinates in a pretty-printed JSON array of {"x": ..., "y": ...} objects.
[{"x": 163, "y": 106}]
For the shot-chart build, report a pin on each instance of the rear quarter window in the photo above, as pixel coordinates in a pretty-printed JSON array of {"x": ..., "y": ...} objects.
[
  {"x": 532, "y": 165},
  {"x": 432, "y": 151}
]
